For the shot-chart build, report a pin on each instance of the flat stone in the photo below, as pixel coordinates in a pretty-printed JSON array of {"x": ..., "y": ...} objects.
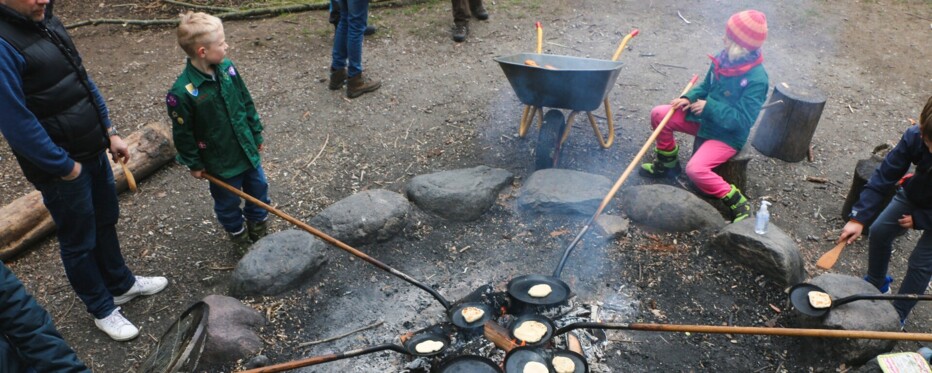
[
  {"x": 230, "y": 330},
  {"x": 669, "y": 209},
  {"x": 366, "y": 217},
  {"x": 561, "y": 191},
  {"x": 277, "y": 263},
  {"x": 461, "y": 195},
  {"x": 876, "y": 315},
  {"x": 611, "y": 225},
  {"x": 773, "y": 254}
]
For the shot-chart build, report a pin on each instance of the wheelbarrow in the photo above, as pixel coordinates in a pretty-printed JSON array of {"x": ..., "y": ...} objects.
[{"x": 561, "y": 82}]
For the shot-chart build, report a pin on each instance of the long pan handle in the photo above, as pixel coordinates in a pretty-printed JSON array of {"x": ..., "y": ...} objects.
[
  {"x": 331, "y": 240},
  {"x": 787, "y": 332},
  {"x": 314, "y": 360},
  {"x": 621, "y": 180},
  {"x": 853, "y": 298}
]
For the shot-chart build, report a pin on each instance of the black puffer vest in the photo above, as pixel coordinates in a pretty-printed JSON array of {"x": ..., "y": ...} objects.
[
  {"x": 57, "y": 88},
  {"x": 919, "y": 187}
]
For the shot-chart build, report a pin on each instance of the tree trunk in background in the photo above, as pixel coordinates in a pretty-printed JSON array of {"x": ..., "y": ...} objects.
[
  {"x": 786, "y": 129},
  {"x": 26, "y": 221}
]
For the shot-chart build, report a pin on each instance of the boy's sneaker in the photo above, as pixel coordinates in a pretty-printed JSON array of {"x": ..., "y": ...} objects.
[
  {"x": 885, "y": 289},
  {"x": 257, "y": 229},
  {"x": 117, "y": 327},
  {"x": 142, "y": 286}
]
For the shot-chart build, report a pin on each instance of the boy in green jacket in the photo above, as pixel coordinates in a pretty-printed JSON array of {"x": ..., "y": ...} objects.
[
  {"x": 720, "y": 110},
  {"x": 216, "y": 128}
]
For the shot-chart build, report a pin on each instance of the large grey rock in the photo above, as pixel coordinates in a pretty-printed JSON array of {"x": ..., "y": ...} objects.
[
  {"x": 372, "y": 216},
  {"x": 669, "y": 208},
  {"x": 461, "y": 195},
  {"x": 858, "y": 315},
  {"x": 230, "y": 330},
  {"x": 774, "y": 254},
  {"x": 278, "y": 262},
  {"x": 560, "y": 191}
]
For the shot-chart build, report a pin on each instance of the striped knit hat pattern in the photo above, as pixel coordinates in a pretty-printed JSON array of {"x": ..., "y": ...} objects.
[{"x": 747, "y": 29}]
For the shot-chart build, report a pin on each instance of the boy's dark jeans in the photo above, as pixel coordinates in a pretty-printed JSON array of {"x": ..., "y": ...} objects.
[
  {"x": 227, "y": 204},
  {"x": 85, "y": 211},
  {"x": 882, "y": 233}
]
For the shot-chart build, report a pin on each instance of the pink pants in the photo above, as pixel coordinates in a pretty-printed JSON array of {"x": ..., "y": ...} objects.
[{"x": 709, "y": 155}]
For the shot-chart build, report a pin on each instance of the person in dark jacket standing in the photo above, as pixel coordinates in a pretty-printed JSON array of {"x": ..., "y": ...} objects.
[
  {"x": 911, "y": 208},
  {"x": 462, "y": 9},
  {"x": 58, "y": 126},
  {"x": 29, "y": 341}
]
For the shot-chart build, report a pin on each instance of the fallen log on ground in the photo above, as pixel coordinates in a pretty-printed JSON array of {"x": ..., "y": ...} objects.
[{"x": 25, "y": 221}]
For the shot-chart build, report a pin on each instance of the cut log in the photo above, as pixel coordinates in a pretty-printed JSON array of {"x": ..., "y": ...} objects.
[
  {"x": 862, "y": 173},
  {"x": 786, "y": 129},
  {"x": 26, "y": 221}
]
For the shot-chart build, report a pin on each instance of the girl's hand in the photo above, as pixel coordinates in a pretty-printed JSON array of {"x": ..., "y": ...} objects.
[
  {"x": 679, "y": 103},
  {"x": 851, "y": 232},
  {"x": 697, "y": 107},
  {"x": 198, "y": 174},
  {"x": 259, "y": 147},
  {"x": 906, "y": 221}
]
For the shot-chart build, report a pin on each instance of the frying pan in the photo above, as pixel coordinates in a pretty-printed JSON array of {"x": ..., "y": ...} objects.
[
  {"x": 517, "y": 288},
  {"x": 456, "y": 315},
  {"x": 469, "y": 364},
  {"x": 799, "y": 297},
  {"x": 408, "y": 347},
  {"x": 581, "y": 366},
  {"x": 517, "y": 358},
  {"x": 787, "y": 332},
  {"x": 541, "y": 319}
]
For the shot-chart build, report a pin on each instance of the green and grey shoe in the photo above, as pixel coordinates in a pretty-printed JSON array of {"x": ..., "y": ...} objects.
[
  {"x": 241, "y": 241},
  {"x": 737, "y": 204},
  {"x": 666, "y": 165},
  {"x": 257, "y": 229}
]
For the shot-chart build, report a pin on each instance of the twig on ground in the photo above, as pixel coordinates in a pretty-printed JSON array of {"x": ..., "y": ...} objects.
[
  {"x": 325, "y": 340},
  {"x": 658, "y": 71},
  {"x": 223, "y": 268},
  {"x": 319, "y": 152},
  {"x": 564, "y": 46},
  {"x": 815, "y": 179},
  {"x": 465, "y": 248},
  {"x": 683, "y": 18},
  {"x": 647, "y": 55},
  {"x": 198, "y": 6},
  {"x": 673, "y": 66}
]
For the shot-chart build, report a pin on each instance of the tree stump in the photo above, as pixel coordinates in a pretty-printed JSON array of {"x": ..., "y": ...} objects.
[
  {"x": 862, "y": 173},
  {"x": 734, "y": 170},
  {"x": 25, "y": 221},
  {"x": 786, "y": 128}
]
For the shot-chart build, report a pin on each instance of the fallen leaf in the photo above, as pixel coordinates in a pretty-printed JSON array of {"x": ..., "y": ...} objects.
[{"x": 558, "y": 233}]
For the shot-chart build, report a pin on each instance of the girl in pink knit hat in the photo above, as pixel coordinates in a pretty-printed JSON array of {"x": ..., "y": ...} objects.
[{"x": 720, "y": 111}]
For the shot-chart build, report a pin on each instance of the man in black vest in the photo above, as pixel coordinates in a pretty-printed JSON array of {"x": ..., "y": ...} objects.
[{"x": 58, "y": 126}]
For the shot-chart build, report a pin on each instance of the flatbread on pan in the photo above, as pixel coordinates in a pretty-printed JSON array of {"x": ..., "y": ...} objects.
[{"x": 819, "y": 300}]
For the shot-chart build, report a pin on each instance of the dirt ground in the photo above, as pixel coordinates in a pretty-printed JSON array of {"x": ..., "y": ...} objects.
[{"x": 445, "y": 106}]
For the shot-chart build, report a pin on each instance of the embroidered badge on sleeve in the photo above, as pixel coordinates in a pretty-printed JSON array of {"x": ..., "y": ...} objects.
[
  {"x": 192, "y": 90},
  {"x": 171, "y": 100}
]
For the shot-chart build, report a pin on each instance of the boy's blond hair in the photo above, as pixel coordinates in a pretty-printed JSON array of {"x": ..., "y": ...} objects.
[
  {"x": 197, "y": 29},
  {"x": 925, "y": 120}
]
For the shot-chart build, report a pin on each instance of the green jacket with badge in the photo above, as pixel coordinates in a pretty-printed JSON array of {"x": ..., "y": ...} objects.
[
  {"x": 215, "y": 125},
  {"x": 732, "y": 105}
]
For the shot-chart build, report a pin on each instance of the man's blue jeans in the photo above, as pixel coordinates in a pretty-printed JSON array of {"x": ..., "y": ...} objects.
[
  {"x": 882, "y": 233},
  {"x": 347, "y": 41},
  {"x": 85, "y": 211},
  {"x": 10, "y": 360},
  {"x": 227, "y": 204}
]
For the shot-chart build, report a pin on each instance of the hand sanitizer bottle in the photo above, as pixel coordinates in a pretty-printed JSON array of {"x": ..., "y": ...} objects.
[{"x": 763, "y": 218}]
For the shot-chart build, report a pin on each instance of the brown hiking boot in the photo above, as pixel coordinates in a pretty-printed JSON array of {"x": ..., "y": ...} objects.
[
  {"x": 337, "y": 78},
  {"x": 360, "y": 84},
  {"x": 460, "y": 31}
]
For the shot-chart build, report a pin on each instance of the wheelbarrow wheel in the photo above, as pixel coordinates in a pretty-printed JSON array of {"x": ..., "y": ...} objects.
[{"x": 547, "y": 152}]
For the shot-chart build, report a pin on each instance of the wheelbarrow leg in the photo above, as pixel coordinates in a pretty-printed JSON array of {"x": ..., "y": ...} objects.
[
  {"x": 527, "y": 117},
  {"x": 605, "y": 143}
]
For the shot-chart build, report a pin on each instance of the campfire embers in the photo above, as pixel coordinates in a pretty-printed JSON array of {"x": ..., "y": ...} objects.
[{"x": 498, "y": 346}]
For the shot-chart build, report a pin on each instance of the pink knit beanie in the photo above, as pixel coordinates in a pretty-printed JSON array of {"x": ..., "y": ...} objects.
[{"x": 747, "y": 29}]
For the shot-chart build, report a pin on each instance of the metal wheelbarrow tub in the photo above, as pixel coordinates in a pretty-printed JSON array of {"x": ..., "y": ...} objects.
[{"x": 575, "y": 83}]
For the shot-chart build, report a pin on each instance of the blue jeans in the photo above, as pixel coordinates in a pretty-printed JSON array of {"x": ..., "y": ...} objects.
[
  {"x": 227, "y": 204},
  {"x": 10, "y": 361},
  {"x": 85, "y": 211},
  {"x": 347, "y": 41},
  {"x": 882, "y": 233}
]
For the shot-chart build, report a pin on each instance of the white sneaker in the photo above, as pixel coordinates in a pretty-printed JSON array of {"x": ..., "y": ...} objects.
[
  {"x": 142, "y": 286},
  {"x": 117, "y": 326}
]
